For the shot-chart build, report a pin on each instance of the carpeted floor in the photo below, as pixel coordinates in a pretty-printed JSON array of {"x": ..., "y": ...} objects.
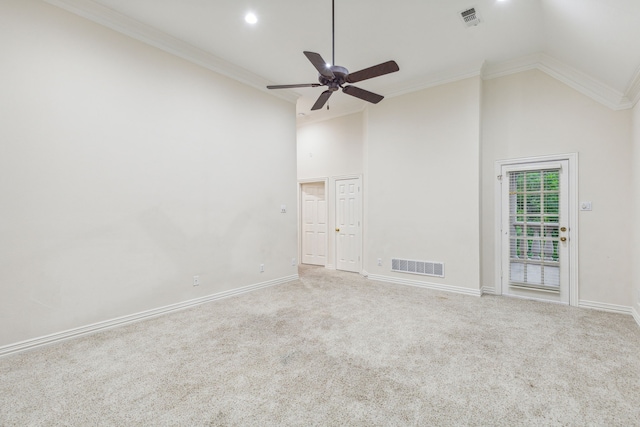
[{"x": 336, "y": 349}]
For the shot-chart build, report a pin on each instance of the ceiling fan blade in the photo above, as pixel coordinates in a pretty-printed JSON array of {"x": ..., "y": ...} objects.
[
  {"x": 293, "y": 86},
  {"x": 371, "y": 72},
  {"x": 363, "y": 94},
  {"x": 319, "y": 63},
  {"x": 322, "y": 99}
]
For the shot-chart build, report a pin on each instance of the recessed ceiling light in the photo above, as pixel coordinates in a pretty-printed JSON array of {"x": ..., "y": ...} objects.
[{"x": 251, "y": 18}]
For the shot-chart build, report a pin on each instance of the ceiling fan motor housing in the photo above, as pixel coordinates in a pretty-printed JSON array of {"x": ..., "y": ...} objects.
[{"x": 335, "y": 83}]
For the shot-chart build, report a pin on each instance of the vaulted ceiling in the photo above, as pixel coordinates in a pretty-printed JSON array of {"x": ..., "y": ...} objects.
[{"x": 592, "y": 45}]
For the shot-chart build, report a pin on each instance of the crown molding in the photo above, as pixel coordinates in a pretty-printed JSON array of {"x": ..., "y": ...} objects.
[
  {"x": 415, "y": 85},
  {"x": 573, "y": 78},
  {"x": 402, "y": 88},
  {"x": 501, "y": 69},
  {"x": 437, "y": 79},
  {"x": 313, "y": 118},
  {"x": 633, "y": 89},
  {"x": 123, "y": 24},
  {"x": 570, "y": 76}
]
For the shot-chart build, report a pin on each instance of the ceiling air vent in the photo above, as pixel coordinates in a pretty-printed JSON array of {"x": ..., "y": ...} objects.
[{"x": 470, "y": 17}]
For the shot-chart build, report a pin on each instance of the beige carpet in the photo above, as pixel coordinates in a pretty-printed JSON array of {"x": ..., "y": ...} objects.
[{"x": 336, "y": 349}]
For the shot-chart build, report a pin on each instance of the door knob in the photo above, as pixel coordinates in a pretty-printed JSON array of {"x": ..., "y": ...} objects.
[
  {"x": 563, "y": 228},
  {"x": 563, "y": 239},
  {"x": 337, "y": 229}
]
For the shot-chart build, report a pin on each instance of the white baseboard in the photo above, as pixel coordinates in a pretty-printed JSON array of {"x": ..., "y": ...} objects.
[
  {"x": 330, "y": 267},
  {"x": 529, "y": 298},
  {"x": 426, "y": 285},
  {"x": 613, "y": 308},
  {"x": 125, "y": 320},
  {"x": 635, "y": 312},
  {"x": 489, "y": 290}
]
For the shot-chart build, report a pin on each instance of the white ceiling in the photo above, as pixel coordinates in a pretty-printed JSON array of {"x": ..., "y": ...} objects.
[{"x": 592, "y": 45}]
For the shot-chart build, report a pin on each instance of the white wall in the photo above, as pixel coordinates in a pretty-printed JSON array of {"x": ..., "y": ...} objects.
[
  {"x": 531, "y": 114},
  {"x": 421, "y": 173},
  {"x": 326, "y": 150},
  {"x": 330, "y": 148},
  {"x": 421, "y": 182},
  {"x": 636, "y": 210},
  {"x": 125, "y": 171}
]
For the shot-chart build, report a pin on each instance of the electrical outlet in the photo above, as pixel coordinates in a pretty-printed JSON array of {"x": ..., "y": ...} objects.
[
  {"x": 261, "y": 268},
  {"x": 293, "y": 261},
  {"x": 196, "y": 280},
  {"x": 379, "y": 261}
]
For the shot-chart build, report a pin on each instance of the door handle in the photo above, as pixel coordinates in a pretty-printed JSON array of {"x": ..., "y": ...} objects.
[
  {"x": 337, "y": 229},
  {"x": 563, "y": 239}
]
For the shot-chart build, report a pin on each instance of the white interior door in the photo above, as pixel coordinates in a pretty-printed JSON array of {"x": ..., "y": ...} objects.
[
  {"x": 314, "y": 224},
  {"x": 535, "y": 231},
  {"x": 348, "y": 225}
]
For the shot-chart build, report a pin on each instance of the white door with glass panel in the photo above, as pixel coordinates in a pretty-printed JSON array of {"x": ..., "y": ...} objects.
[
  {"x": 314, "y": 224},
  {"x": 348, "y": 228},
  {"x": 535, "y": 231}
]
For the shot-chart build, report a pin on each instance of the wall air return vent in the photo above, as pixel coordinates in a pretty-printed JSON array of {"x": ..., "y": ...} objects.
[
  {"x": 470, "y": 17},
  {"x": 425, "y": 268}
]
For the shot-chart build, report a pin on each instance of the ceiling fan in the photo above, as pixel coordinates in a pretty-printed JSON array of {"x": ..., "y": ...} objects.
[{"x": 334, "y": 76}]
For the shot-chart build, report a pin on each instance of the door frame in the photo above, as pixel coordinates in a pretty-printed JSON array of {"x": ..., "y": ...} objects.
[
  {"x": 572, "y": 217},
  {"x": 301, "y": 182}
]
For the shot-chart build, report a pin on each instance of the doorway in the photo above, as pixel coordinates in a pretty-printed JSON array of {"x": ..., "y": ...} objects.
[{"x": 537, "y": 231}]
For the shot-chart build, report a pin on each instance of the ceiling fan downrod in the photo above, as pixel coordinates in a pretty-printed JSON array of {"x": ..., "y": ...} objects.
[{"x": 333, "y": 32}]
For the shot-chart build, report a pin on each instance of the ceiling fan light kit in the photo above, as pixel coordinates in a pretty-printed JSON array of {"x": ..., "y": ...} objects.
[{"x": 334, "y": 77}]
